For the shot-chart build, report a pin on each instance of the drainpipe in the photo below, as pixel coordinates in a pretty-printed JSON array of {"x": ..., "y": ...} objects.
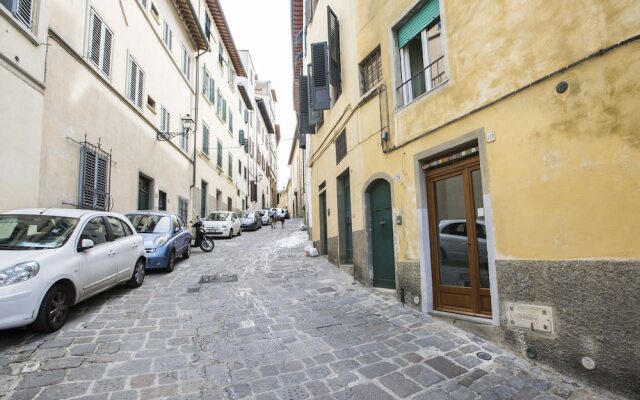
[{"x": 195, "y": 127}]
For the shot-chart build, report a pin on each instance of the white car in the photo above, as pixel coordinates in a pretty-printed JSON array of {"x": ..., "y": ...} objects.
[
  {"x": 265, "y": 216},
  {"x": 222, "y": 223},
  {"x": 52, "y": 259}
]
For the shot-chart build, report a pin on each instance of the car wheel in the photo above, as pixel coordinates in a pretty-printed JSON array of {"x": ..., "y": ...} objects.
[
  {"x": 172, "y": 261},
  {"x": 54, "y": 309},
  {"x": 230, "y": 233},
  {"x": 138, "y": 274},
  {"x": 187, "y": 252}
]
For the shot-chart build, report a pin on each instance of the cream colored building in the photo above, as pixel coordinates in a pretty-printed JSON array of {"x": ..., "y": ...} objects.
[{"x": 481, "y": 158}]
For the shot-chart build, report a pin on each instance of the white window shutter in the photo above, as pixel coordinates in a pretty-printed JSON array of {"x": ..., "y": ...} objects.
[
  {"x": 24, "y": 11},
  {"x": 133, "y": 80},
  {"x": 106, "y": 52},
  {"x": 95, "y": 40},
  {"x": 140, "y": 87}
]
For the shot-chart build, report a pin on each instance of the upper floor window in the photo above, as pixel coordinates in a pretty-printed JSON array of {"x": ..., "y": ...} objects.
[
  {"x": 184, "y": 139},
  {"x": 165, "y": 120},
  {"x": 186, "y": 63},
  {"x": 136, "y": 83},
  {"x": 370, "y": 71},
  {"x": 207, "y": 26},
  {"x": 422, "y": 59},
  {"x": 167, "y": 35},
  {"x": 208, "y": 86},
  {"x": 100, "y": 42},
  {"x": 21, "y": 9}
]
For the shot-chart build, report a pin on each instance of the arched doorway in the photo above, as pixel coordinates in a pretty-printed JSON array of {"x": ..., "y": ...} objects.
[{"x": 381, "y": 223}]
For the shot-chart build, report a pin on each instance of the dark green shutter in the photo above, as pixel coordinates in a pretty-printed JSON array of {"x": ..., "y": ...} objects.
[
  {"x": 320, "y": 84},
  {"x": 418, "y": 22},
  {"x": 303, "y": 104},
  {"x": 333, "y": 35}
]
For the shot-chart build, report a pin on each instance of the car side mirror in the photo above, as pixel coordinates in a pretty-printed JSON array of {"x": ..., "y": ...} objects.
[{"x": 86, "y": 244}]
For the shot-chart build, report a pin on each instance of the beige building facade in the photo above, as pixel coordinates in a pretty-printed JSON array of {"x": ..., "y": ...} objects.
[{"x": 469, "y": 155}]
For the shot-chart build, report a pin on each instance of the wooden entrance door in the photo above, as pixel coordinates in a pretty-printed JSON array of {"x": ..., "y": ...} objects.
[
  {"x": 384, "y": 274},
  {"x": 458, "y": 238}
]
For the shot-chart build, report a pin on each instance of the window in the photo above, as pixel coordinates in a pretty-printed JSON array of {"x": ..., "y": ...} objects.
[
  {"x": 220, "y": 55},
  {"x": 117, "y": 230},
  {"x": 167, "y": 35},
  {"x": 94, "y": 178},
  {"x": 231, "y": 122},
  {"x": 205, "y": 139},
  {"x": 184, "y": 139},
  {"x": 96, "y": 231},
  {"x": 154, "y": 12},
  {"x": 186, "y": 63},
  {"x": 422, "y": 60},
  {"x": 222, "y": 107},
  {"x": 162, "y": 201},
  {"x": 245, "y": 173},
  {"x": 341, "y": 146},
  {"x": 144, "y": 4},
  {"x": 144, "y": 193},
  {"x": 100, "y": 42},
  {"x": 239, "y": 168},
  {"x": 151, "y": 103},
  {"x": 21, "y": 9},
  {"x": 207, "y": 26},
  {"x": 165, "y": 120},
  {"x": 229, "y": 204},
  {"x": 333, "y": 43},
  {"x": 456, "y": 228},
  {"x": 183, "y": 208},
  {"x": 219, "y": 155},
  {"x": 208, "y": 86},
  {"x": 370, "y": 71},
  {"x": 230, "y": 165},
  {"x": 203, "y": 197},
  {"x": 136, "y": 83}
]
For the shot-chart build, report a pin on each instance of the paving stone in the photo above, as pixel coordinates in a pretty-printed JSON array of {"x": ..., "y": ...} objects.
[
  {"x": 141, "y": 381},
  {"x": 376, "y": 370},
  {"x": 471, "y": 377},
  {"x": 293, "y": 393},
  {"x": 342, "y": 380},
  {"x": 317, "y": 388},
  {"x": 445, "y": 366},
  {"x": 318, "y": 372},
  {"x": 368, "y": 391},
  {"x": 87, "y": 372},
  {"x": 42, "y": 378},
  {"x": 344, "y": 365},
  {"x": 423, "y": 375},
  {"x": 63, "y": 363},
  {"x": 108, "y": 385},
  {"x": 158, "y": 392},
  {"x": 399, "y": 384},
  {"x": 292, "y": 378},
  {"x": 82, "y": 349},
  {"x": 437, "y": 394},
  {"x": 265, "y": 384},
  {"x": 26, "y": 394},
  {"x": 238, "y": 391}
]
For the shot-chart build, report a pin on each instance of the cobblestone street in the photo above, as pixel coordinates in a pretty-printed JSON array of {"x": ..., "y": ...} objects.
[{"x": 291, "y": 327}]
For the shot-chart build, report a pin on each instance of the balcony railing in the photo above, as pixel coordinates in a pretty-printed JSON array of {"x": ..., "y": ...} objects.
[{"x": 423, "y": 82}]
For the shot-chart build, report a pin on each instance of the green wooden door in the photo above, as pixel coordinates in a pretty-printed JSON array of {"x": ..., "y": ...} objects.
[
  {"x": 382, "y": 235},
  {"x": 144, "y": 193},
  {"x": 348, "y": 233},
  {"x": 324, "y": 246}
]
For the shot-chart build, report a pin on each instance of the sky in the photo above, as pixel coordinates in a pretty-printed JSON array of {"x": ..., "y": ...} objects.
[{"x": 264, "y": 28}]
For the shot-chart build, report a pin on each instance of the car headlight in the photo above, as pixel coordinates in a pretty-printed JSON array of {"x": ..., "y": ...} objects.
[
  {"x": 160, "y": 240},
  {"x": 19, "y": 273}
]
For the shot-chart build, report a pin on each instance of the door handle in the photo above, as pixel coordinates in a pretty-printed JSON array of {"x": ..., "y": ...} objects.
[
  {"x": 111, "y": 253},
  {"x": 383, "y": 222}
]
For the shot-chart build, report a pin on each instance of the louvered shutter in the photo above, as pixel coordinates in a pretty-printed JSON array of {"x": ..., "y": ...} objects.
[
  {"x": 241, "y": 137},
  {"x": 303, "y": 106},
  {"x": 96, "y": 40},
  {"x": 205, "y": 82},
  {"x": 315, "y": 116},
  {"x": 24, "y": 11},
  {"x": 133, "y": 80},
  {"x": 88, "y": 176},
  {"x": 320, "y": 82},
  {"x": 140, "y": 87},
  {"x": 334, "y": 51},
  {"x": 106, "y": 52},
  {"x": 102, "y": 177}
]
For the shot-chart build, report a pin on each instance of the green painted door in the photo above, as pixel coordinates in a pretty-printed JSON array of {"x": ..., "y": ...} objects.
[
  {"x": 382, "y": 235},
  {"x": 348, "y": 233},
  {"x": 324, "y": 246},
  {"x": 144, "y": 193}
]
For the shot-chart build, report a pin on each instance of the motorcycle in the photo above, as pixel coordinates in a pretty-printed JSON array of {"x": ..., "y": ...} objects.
[{"x": 199, "y": 237}]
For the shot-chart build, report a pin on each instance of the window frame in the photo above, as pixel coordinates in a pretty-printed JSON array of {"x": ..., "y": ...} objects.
[
  {"x": 139, "y": 90},
  {"x": 100, "y": 65},
  {"x": 374, "y": 61}
]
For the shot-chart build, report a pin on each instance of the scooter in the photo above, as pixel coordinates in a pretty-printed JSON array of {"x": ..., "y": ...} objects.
[{"x": 199, "y": 237}]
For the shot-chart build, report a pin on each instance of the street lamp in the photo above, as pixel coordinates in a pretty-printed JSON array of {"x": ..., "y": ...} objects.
[{"x": 187, "y": 125}]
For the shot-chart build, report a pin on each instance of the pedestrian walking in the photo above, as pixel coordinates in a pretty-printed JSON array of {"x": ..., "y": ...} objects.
[
  {"x": 280, "y": 216},
  {"x": 272, "y": 217}
]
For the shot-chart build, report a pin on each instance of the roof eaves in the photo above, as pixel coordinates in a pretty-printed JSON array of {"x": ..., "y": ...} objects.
[
  {"x": 190, "y": 19},
  {"x": 225, "y": 34}
]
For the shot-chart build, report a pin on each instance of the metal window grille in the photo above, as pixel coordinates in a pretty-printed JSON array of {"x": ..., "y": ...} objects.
[
  {"x": 371, "y": 71},
  {"x": 100, "y": 44},
  {"x": 183, "y": 208},
  {"x": 341, "y": 146},
  {"x": 95, "y": 165}
]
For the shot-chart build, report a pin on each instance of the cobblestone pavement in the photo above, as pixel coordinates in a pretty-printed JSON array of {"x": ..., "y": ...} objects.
[{"x": 290, "y": 327}]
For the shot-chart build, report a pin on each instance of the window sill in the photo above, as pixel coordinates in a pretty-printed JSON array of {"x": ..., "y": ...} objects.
[
  {"x": 23, "y": 29},
  {"x": 423, "y": 96}
]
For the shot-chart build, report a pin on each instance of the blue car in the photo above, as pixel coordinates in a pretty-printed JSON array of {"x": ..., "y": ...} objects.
[{"x": 165, "y": 235}]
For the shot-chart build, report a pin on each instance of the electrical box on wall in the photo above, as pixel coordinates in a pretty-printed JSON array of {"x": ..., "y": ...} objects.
[{"x": 530, "y": 316}]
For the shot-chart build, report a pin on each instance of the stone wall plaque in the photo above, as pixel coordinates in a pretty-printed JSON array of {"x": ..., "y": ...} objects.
[{"x": 530, "y": 316}]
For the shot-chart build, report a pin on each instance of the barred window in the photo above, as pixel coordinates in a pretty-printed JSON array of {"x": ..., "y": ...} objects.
[{"x": 370, "y": 71}]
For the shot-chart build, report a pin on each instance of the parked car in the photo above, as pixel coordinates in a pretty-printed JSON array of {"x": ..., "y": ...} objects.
[
  {"x": 222, "y": 223},
  {"x": 264, "y": 214},
  {"x": 250, "y": 221},
  {"x": 165, "y": 235},
  {"x": 52, "y": 259}
]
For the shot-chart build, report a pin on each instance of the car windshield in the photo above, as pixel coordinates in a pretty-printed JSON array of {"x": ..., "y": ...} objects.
[
  {"x": 34, "y": 232},
  {"x": 150, "y": 223},
  {"x": 248, "y": 215},
  {"x": 218, "y": 216}
]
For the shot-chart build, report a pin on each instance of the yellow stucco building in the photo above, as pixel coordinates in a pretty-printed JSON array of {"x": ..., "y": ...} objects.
[{"x": 482, "y": 159}]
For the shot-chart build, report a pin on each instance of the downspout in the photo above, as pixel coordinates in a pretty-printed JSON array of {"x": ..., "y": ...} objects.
[{"x": 195, "y": 127}]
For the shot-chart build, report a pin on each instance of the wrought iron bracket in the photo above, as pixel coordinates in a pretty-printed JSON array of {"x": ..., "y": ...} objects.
[{"x": 164, "y": 136}]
